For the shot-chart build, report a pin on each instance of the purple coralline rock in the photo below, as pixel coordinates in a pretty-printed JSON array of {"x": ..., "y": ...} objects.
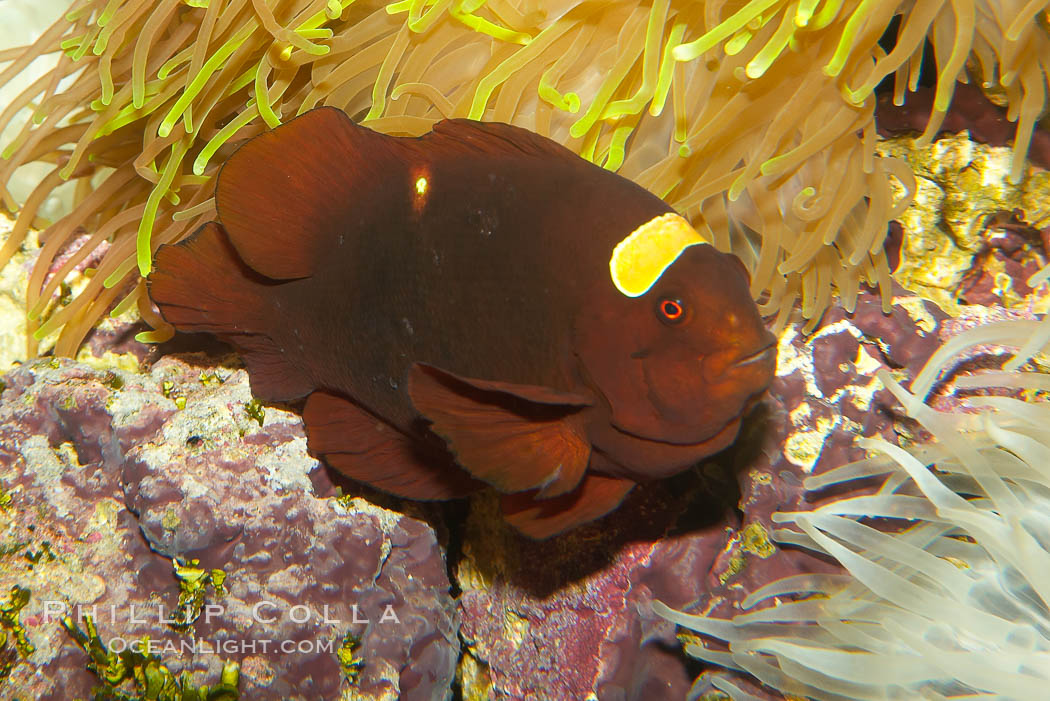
[
  {"x": 119, "y": 472},
  {"x": 570, "y": 618},
  {"x": 1011, "y": 248}
]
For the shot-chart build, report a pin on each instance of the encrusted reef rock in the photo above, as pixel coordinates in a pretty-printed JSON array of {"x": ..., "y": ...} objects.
[
  {"x": 971, "y": 236},
  {"x": 110, "y": 474}
]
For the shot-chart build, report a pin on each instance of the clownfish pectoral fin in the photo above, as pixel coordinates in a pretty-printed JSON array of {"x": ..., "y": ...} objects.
[
  {"x": 514, "y": 437},
  {"x": 201, "y": 285},
  {"x": 537, "y": 518},
  {"x": 286, "y": 195},
  {"x": 369, "y": 450}
]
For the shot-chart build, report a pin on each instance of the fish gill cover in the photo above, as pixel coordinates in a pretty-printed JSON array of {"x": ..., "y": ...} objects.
[{"x": 759, "y": 113}]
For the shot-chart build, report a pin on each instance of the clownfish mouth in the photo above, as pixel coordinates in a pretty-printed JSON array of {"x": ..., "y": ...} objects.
[
  {"x": 728, "y": 367},
  {"x": 764, "y": 355},
  {"x": 732, "y": 423}
]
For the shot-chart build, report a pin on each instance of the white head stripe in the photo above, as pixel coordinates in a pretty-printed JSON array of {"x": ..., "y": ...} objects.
[{"x": 639, "y": 260}]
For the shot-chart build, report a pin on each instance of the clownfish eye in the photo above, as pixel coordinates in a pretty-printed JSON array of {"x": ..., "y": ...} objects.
[{"x": 672, "y": 311}]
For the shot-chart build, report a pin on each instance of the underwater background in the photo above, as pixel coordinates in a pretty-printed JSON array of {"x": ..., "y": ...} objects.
[{"x": 878, "y": 531}]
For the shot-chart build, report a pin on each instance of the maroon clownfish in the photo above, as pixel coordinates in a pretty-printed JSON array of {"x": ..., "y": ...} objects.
[{"x": 476, "y": 306}]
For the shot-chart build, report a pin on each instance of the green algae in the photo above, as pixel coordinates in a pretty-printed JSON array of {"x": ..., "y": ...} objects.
[
  {"x": 255, "y": 411},
  {"x": 349, "y": 661},
  {"x": 12, "y": 631},
  {"x": 194, "y": 585},
  {"x": 133, "y": 675}
]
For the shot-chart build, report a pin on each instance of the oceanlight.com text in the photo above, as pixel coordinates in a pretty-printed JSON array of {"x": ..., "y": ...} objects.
[{"x": 220, "y": 647}]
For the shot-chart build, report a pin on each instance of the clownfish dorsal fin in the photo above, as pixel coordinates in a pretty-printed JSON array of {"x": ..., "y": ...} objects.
[
  {"x": 283, "y": 195},
  {"x": 493, "y": 138},
  {"x": 514, "y": 437},
  {"x": 286, "y": 194}
]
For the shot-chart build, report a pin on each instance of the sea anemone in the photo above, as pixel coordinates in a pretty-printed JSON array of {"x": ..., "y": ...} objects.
[
  {"x": 757, "y": 113},
  {"x": 946, "y": 590}
]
